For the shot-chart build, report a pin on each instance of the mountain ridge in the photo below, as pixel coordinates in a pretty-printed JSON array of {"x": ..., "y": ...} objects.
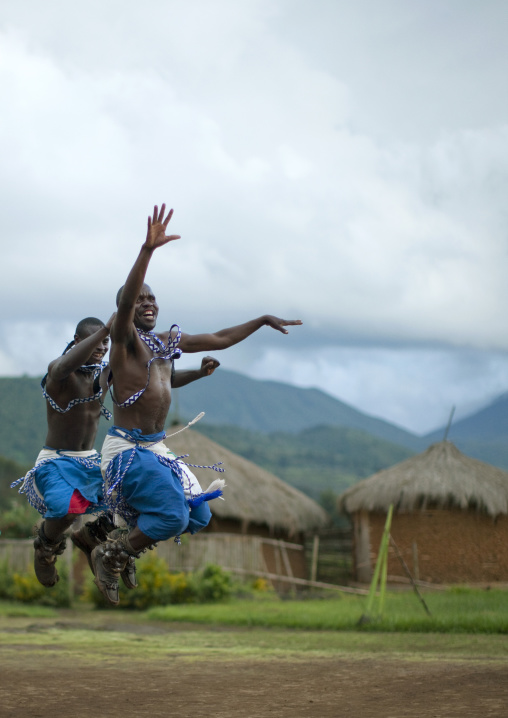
[{"x": 232, "y": 399}]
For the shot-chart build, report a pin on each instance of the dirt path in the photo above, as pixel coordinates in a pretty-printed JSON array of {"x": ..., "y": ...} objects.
[
  {"x": 359, "y": 688},
  {"x": 56, "y": 679}
]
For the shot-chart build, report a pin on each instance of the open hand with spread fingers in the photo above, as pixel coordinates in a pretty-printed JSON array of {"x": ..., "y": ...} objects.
[{"x": 157, "y": 226}]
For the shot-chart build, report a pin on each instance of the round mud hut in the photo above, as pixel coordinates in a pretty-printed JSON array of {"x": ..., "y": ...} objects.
[
  {"x": 259, "y": 527},
  {"x": 450, "y": 518}
]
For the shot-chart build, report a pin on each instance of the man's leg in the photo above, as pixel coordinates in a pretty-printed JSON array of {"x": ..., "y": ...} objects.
[
  {"x": 110, "y": 560},
  {"x": 50, "y": 543},
  {"x": 92, "y": 534},
  {"x": 56, "y": 482},
  {"x": 140, "y": 541},
  {"x": 155, "y": 492}
]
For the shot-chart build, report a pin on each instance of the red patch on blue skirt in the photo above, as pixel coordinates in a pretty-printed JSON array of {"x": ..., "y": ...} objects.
[{"x": 78, "y": 504}]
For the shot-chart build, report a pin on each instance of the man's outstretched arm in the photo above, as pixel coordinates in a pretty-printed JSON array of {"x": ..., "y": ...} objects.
[
  {"x": 155, "y": 237},
  {"x": 228, "y": 337},
  {"x": 182, "y": 377}
]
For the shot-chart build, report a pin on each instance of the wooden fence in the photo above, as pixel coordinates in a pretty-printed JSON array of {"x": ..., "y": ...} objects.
[
  {"x": 324, "y": 560},
  {"x": 19, "y": 554},
  {"x": 329, "y": 555}
]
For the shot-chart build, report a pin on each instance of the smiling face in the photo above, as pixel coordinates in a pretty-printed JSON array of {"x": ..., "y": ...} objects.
[
  {"x": 101, "y": 348},
  {"x": 146, "y": 310}
]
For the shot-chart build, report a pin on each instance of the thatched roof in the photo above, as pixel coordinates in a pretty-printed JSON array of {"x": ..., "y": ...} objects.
[
  {"x": 252, "y": 494},
  {"x": 441, "y": 476}
]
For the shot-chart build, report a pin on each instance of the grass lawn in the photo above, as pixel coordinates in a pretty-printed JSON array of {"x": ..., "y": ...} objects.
[
  {"x": 458, "y": 610},
  {"x": 466, "y": 624},
  {"x": 94, "y": 636}
]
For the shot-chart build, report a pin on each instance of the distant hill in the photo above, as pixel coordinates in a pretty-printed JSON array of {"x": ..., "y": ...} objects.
[
  {"x": 23, "y": 419},
  {"x": 314, "y": 461},
  {"x": 227, "y": 398},
  {"x": 280, "y": 427},
  {"x": 488, "y": 424},
  {"x": 482, "y": 435},
  {"x": 268, "y": 406}
]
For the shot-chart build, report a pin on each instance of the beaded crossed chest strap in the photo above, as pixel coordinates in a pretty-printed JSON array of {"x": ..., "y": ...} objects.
[
  {"x": 161, "y": 351},
  {"x": 96, "y": 370}
]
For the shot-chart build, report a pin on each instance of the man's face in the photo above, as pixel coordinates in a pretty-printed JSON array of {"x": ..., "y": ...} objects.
[
  {"x": 101, "y": 348},
  {"x": 146, "y": 310}
]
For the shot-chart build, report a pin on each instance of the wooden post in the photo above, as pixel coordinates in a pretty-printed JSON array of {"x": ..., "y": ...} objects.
[
  {"x": 315, "y": 553},
  {"x": 278, "y": 567},
  {"x": 285, "y": 558},
  {"x": 287, "y": 562}
]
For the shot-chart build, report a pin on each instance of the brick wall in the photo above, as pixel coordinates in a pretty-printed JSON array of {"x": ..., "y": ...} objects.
[{"x": 445, "y": 545}]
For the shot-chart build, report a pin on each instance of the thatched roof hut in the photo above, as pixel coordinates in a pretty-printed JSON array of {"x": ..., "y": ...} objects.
[
  {"x": 450, "y": 516},
  {"x": 255, "y": 500},
  {"x": 441, "y": 476}
]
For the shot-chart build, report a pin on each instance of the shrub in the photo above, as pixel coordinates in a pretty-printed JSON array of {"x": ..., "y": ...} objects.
[
  {"x": 5, "y": 579},
  {"x": 18, "y": 520},
  {"x": 157, "y": 586},
  {"x": 213, "y": 584},
  {"x": 262, "y": 585},
  {"x": 24, "y": 587}
]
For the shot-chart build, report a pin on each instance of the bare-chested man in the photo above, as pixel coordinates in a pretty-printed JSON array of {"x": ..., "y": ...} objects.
[
  {"x": 153, "y": 491},
  {"x": 66, "y": 481}
]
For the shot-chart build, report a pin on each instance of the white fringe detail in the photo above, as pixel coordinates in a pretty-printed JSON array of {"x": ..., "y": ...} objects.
[
  {"x": 194, "y": 421},
  {"x": 216, "y": 484}
]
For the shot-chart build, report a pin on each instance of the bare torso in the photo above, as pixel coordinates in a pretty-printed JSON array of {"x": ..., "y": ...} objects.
[
  {"x": 129, "y": 366},
  {"x": 77, "y": 428}
]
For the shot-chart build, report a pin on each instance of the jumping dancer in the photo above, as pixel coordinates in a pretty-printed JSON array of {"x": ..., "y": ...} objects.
[
  {"x": 157, "y": 496},
  {"x": 66, "y": 481}
]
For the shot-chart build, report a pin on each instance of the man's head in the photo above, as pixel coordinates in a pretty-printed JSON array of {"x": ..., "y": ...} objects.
[
  {"x": 85, "y": 328},
  {"x": 146, "y": 309}
]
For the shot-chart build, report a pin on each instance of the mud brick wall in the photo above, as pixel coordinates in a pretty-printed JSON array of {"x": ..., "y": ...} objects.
[{"x": 445, "y": 545}]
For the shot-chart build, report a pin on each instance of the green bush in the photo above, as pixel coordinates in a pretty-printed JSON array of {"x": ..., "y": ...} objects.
[
  {"x": 24, "y": 587},
  {"x": 213, "y": 584},
  {"x": 157, "y": 586},
  {"x": 18, "y": 520},
  {"x": 5, "y": 579}
]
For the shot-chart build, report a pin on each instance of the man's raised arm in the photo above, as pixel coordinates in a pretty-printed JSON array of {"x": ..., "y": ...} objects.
[
  {"x": 79, "y": 354},
  {"x": 155, "y": 237},
  {"x": 228, "y": 337}
]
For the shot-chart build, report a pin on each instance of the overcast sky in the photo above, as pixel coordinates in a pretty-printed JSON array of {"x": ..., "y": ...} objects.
[{"x": 341, "y": 163}]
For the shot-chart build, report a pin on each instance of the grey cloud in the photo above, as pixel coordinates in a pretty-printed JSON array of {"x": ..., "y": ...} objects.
[{"x": 341, "y": 163}]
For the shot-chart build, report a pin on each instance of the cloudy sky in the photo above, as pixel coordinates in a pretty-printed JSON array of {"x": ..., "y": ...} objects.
[{"x": 342, "y": 163}]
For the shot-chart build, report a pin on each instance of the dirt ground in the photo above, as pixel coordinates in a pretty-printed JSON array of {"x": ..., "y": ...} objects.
[
  {"x": 63, "y": 684},
  {"x": 255, "y": 690}
]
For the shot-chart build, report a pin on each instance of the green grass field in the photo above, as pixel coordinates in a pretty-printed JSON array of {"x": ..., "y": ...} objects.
[
  {"x": 94, "y": 636},
  {"x": 453, "y": 611}
]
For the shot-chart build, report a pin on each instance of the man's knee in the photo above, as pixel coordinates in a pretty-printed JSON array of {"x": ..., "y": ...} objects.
[
  {"x": 199, "y": 518},
  {"x": 161, "y": 527}
]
